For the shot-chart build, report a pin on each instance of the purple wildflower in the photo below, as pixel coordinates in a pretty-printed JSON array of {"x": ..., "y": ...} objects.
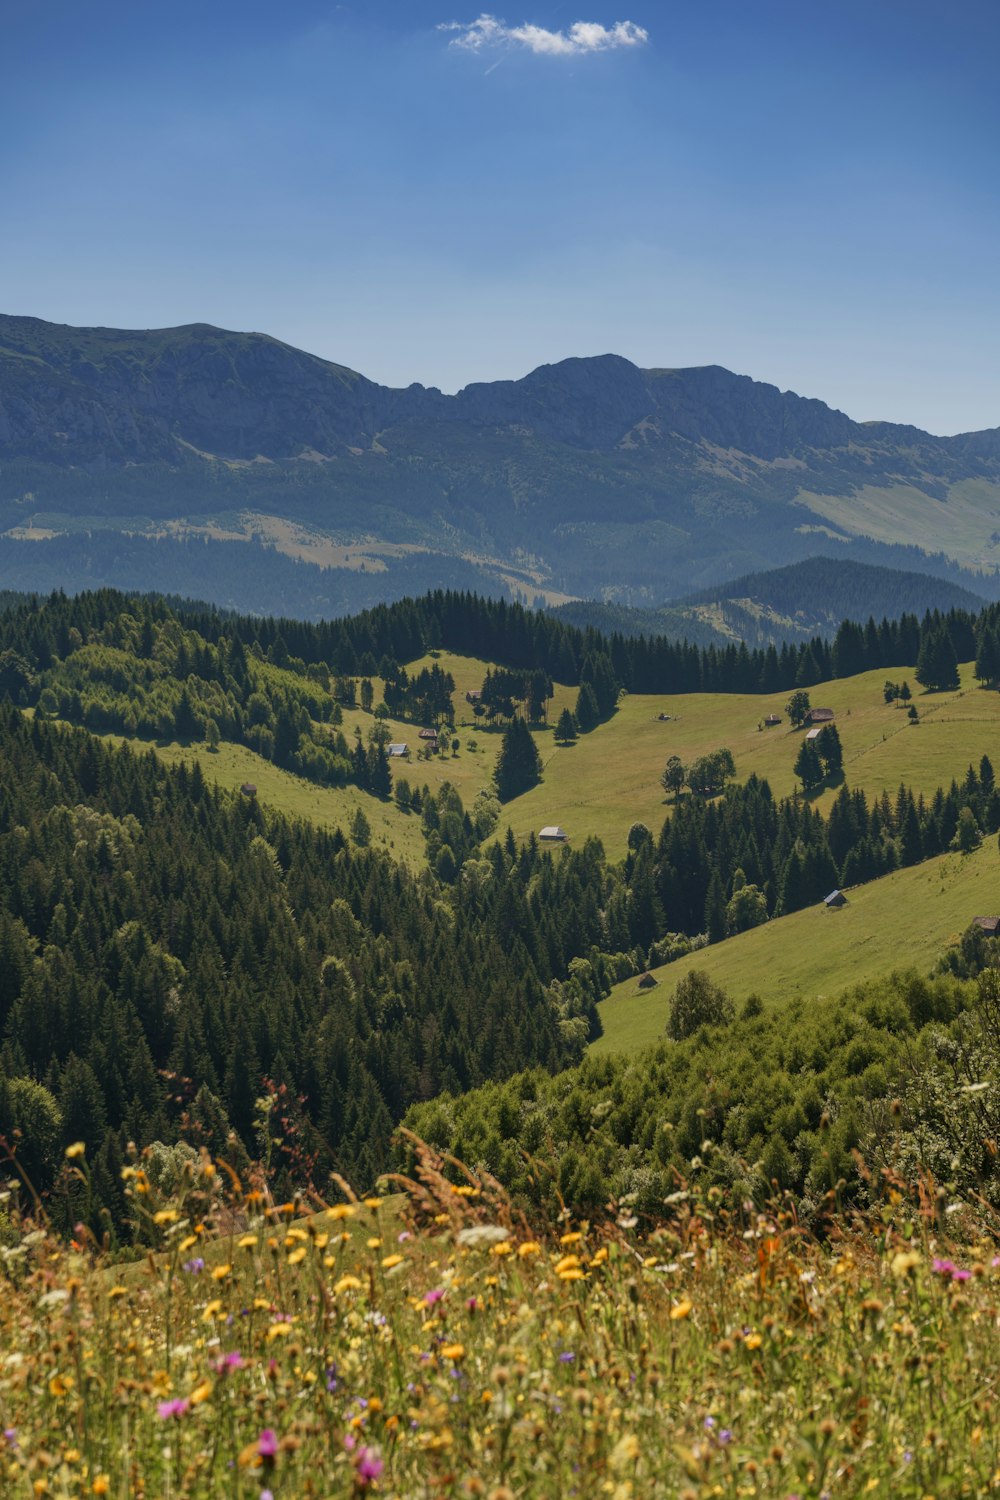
[
  {"x": 567, "y": 1357},
  {"x": 331, "y": 1379},
  {"x": 175, "y": 1408},
  {"x": 195, "y": 1265},
  {"x": 267, "y": 1444},
  {"x": 369, "y": 1465},
  {"x": 725, "y": 1436},
  {"x": 231, "y": 1361}
]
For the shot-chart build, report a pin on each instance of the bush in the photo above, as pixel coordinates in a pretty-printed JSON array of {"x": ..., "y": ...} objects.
[{"x": 697, "y": 1001}]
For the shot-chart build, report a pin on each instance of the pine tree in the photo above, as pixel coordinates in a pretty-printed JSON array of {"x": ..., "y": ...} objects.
[
  {"x": 588, "y": 714},
  {"x": 519, "y": 765},
  {"x": 566, "y": 728},
  {"x": 808, "y": 766},
  {"x": 937, "y": 664}
]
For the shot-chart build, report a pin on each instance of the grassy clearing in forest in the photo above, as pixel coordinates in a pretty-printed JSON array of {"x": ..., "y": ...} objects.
[
  {"x": 609, "y": 779},
  {"x": 904, "y": 920},
  {"x": 258, "y": 1354}
]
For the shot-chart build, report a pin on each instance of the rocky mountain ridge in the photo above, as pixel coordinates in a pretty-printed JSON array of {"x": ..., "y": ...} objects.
[{"x": 590, "y": 476}]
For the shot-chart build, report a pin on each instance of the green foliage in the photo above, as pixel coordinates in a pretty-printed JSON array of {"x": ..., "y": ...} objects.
[
  {"x": 789, "y": 1093},
  {"x": 519, "y": 765},
  {"x": 708, "y": 775},
  {"x": 937, "y": 662},
  {"x": 674, "y": 776},
  {"x": 159, "y": 938},
  {"x": 565, "y": 732},
  {"x": 697, "y": 1002},
  {"x": 797, "y": 707}
]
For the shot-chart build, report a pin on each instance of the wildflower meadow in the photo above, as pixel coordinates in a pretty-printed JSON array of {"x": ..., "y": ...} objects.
[{"x": 430, "y": 1341}]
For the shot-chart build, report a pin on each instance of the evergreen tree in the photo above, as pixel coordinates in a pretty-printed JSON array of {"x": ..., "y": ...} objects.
[
  {"x": 988, "y": 657},
  {"x": 937, "y": 664},
  {"x": 565, "y": 732},
  {"x": 588, "y": 714},
  {"x": 830, "y": 751},
  {"x": 715, "y": 909},
  {"x": 519, "y": 765},
  {"x": 808, "y": 766}
]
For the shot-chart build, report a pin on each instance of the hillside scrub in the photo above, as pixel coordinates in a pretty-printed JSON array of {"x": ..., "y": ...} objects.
[{"x": 784, "y": 1096}]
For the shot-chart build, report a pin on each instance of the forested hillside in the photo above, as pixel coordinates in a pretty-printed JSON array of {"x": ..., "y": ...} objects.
[
  {"x": 165, "y": 948},
  {"x": 172, "y": 955},
  {"x": 794, "y": 603}
]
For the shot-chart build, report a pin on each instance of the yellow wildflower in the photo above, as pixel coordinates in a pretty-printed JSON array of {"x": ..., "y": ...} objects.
[
  {"x": 221, "y": 1272},
  {"x": 392, "y": 1260},
  {"x": 680, "y": 1310},
  {"x": 347, "y": 1284},
  {"x": 296, "y": 1255},
  {"x": 78, "y": 1148},
  {"x": 165, "y": 1216},
  {"x": 201, "y": 1393},
  {"x": 454, "y": 1352},
  {"x": 529, "y": 1247}
]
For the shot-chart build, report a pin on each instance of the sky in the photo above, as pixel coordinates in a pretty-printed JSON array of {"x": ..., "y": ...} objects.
[{"x": 804, "y": 192}]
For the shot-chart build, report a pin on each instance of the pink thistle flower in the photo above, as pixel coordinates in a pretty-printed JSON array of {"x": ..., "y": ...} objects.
[
  {"x": 369, "y": 1466},
  {"x": 175, "y": 1408},
  {"x": 231, "y": 1361},
  {"x": 943, "y": 1267},
  {"x": 434, "y": 1296},
  {"x": 267, "y": 1444}
]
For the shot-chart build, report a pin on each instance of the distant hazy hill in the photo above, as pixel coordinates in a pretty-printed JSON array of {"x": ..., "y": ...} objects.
[
  {"x": 587, "y": 478},
  {"x": 784, "y": 604}
]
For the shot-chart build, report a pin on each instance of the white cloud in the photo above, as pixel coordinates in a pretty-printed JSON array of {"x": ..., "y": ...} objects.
[{"x": 580, "y": 38}]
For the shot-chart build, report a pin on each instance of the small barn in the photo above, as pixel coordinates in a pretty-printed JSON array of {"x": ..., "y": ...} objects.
[
  {"x": 647, "y": 981},
  {"x": 771, "y": 720},
  {"x": 835, "y": 900},
  {"x": 819, "y": 716},
  {"x": 474, "y": 695},
  {"x": 398, "y": 752},
  {"x": 554, "y": 833},
  {"x": 814, "y": 734},
  {"x": 429, "y": 734},
  {"x": 248, "y": 789},
  {"x": 990, "y": 925}
]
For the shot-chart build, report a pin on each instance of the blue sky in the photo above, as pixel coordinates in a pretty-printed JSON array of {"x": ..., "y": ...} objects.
[{"x": 807, "y": 193}]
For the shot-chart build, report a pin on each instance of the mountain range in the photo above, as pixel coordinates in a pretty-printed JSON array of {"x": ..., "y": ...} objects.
[{"x": 590, "y": 478}]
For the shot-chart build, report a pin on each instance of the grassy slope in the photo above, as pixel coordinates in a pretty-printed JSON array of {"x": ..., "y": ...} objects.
[
  {"x": 610, "y": 779},
  {"x": 904, "y": 919},
  {"x": 965, "y": 527}
]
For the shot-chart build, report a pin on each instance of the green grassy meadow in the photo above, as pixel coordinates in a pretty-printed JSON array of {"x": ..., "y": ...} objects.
[
  {"x": 904, "y": 920},
  {"x": 609, "y": 779}
]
